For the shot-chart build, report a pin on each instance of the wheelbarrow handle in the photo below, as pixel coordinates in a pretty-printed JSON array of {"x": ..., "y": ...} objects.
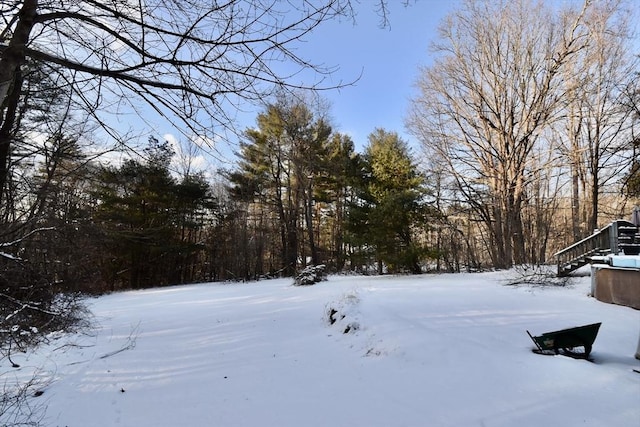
[{"x": 534, "y": 341}]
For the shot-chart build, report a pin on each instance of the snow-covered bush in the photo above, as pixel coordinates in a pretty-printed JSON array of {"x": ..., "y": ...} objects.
[
  {"x": 343, "y": 314},
  {"x": 311, "y": 275}
]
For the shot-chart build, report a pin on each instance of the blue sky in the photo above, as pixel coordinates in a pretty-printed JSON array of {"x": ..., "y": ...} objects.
[{"x": 388, "y": 59}]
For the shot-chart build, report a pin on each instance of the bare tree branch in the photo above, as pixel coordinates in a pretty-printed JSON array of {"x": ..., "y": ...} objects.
[{"x": 191, "y": 61}]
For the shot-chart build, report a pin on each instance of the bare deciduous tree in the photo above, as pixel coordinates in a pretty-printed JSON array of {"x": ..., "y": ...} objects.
[
  {"x": 486, "y": 101},
  {"x": 598, "y": 120}
]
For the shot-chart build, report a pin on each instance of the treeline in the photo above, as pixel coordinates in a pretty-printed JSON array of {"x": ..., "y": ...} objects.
[
  {"x": 299, "y": 194},
  {"x": 527, "y": 130}
]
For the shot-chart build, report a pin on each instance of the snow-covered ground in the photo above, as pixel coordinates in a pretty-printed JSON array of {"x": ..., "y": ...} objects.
[{"x": 430, "y": 350}]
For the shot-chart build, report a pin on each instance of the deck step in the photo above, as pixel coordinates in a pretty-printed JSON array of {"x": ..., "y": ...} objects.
[{"x": 619, "y": 236}]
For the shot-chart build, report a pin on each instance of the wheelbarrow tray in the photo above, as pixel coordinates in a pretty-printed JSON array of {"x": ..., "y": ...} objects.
[{"x": 568, "y": 339}]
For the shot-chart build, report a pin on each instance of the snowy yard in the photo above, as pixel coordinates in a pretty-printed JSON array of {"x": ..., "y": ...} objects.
[{"x": 430, "y": 350}]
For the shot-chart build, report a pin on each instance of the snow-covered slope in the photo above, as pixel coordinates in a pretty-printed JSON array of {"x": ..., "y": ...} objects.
[{"x": 444, "y": 350}]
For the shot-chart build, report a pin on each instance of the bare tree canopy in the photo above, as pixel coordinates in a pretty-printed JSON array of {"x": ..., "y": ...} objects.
[
  {"x": 599, "y": 122},
  {"x": 194, "y": 62},
  {"x": 492, "y": 95},
  {"x": 180, "y": 55}
]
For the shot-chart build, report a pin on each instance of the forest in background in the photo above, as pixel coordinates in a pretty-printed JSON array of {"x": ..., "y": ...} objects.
[{"x": 527, "y": 126}]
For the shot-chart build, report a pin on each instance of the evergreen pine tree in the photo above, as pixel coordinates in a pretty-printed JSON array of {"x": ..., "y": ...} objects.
[{"x": 390, "y": 209}]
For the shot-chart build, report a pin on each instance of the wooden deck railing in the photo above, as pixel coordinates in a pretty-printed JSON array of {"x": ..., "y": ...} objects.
[{"x": 612, "y": 239}]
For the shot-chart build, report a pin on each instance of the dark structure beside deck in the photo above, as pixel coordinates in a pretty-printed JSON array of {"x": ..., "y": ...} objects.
[{"x": 616, "y": 285}]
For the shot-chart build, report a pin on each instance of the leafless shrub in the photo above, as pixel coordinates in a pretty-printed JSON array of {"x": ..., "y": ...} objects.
[
  {"x": 27, "y": 322},
  {"x": 20, "y": 404},
  {"x": 536, "y": 275},
  {"x": 29, "y": 317}
]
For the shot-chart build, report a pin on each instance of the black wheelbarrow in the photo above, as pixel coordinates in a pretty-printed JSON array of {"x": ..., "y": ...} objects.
[{"x": 575, "y": 342}]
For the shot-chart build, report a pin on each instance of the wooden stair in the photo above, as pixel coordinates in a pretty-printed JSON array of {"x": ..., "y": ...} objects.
[{"x": 618, "y": 237}]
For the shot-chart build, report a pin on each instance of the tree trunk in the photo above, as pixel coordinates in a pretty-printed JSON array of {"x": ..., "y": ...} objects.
[
  {"x": 309, "y": 223},
  {"x": 575, "y": 203},
  {"x": 12, "y": 59},
  {"x": 7, "y": 131},
  {"x": 595, "y": 193},
  {"x": 517, "y": 231},
  {"x": 291, "y": 254},
  {"x": 338, "y": 237},
  {"x": 501, "y": 233}
]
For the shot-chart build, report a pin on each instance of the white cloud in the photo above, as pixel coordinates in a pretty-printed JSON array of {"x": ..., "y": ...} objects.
[{"x": 189, "y": 157}]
